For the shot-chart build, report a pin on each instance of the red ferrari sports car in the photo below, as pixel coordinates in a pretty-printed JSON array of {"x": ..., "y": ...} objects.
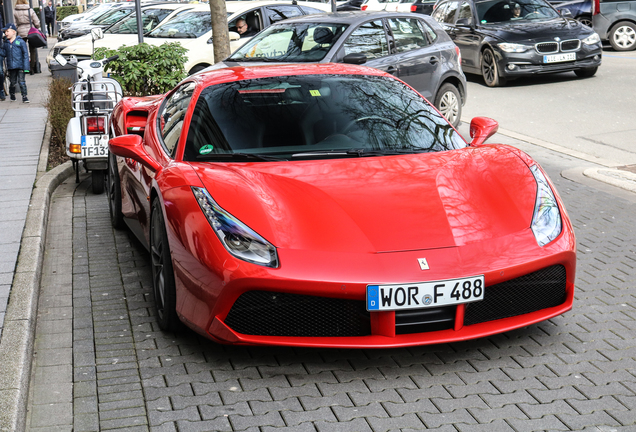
[{"x": 332, "y": 205}]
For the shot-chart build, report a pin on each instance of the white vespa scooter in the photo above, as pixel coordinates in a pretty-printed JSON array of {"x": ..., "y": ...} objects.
[{"x": 93, "y": 97}]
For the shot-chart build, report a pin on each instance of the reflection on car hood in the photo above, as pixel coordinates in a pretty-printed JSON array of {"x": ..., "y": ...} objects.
[
  {"x": 378, "y": 204},
  {"x": 538, "y": 31}
]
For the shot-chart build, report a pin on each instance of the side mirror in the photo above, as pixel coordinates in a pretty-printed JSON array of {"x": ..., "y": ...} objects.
[
  {"x": 566, "y": 13},
  {"x": 234, "y": 36},
  {"x": 482, "y": 128},
  {"x": 464, "y": 22},
  {"x": 131, "y": 146},
  {"x": 97, "y": 34},
  {"x": 61, "y": 60},
  {"x": 355, "y": 58}
]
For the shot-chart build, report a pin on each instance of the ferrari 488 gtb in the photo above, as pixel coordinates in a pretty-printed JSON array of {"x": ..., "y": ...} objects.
[{"x": 331, "y": 205}]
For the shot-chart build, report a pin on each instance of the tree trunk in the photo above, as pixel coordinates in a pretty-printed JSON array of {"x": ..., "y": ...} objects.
[{"x": 220, "y": 35}]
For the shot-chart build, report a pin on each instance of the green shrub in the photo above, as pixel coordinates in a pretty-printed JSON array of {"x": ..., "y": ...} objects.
[
  {"x": 60, "y": 112},
  {"x": 64, "y": 11},
  {"x": 144, "y": 69}
]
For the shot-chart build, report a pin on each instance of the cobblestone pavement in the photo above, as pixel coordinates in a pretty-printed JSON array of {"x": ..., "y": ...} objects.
[{"x": 101, "y": 362}]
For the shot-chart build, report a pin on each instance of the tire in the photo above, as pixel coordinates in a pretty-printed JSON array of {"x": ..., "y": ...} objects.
[
  {"x": 449, "y": 102},
  {"x": 114, "y": 193},
  {"x": 97, "y": 177},
  {"x": 163, "y": 285},
  {"x": 586, "y": 73},
  {"x": 622, "y": 37},
  {"x": 197, "y": 68},
  {"x": 490, "y": 69}
]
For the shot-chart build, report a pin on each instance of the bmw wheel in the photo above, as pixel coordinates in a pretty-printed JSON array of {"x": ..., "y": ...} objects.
[
  {"x": 114, "y": 193},
  {"x": 448, "y": 102},
  {"x": 490, "y": 69},
  {"x": 623, "y": 36},
  {"x": 162, "y": 274}
]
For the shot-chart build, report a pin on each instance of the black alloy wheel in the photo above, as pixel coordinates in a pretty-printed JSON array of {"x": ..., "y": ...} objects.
[
  {"x": 490, "y": 70},
  {"x": 114, "y": 193},
  {"x": 162, "y": 274},
  {"x": 97, "y": 179}
]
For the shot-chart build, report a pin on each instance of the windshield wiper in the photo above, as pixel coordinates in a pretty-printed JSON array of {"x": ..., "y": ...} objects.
[
  {"x": 238, "y": 157},
  {"x": 357, "y": 152}
]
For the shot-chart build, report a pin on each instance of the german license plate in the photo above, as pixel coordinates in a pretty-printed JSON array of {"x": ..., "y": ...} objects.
[
  {"x": 556, "y": 58},
  {"x": 425, "y": 294},
  {"x": 94, "y": 146}
]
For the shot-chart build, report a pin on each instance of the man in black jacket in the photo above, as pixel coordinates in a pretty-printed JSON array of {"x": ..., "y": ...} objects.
[{"x": 49, "y": 16}]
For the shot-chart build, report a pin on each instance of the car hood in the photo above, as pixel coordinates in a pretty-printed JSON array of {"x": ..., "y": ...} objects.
[
  {"x": 84, "y": 45},
  {"x": 538, "y": 31},
  {"x": 378, "y": 204}
]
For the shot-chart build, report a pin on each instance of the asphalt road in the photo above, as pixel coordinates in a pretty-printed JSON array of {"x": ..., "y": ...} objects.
[
  {"x": 101, "y": 362},
  {"x": 596, "y": 116}
]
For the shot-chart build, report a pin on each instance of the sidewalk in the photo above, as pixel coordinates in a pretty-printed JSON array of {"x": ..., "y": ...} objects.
[{"x": 23, "y": 214}]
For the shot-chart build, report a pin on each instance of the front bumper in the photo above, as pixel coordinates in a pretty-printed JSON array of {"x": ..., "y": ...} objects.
[{"x": 531, "y": 63}]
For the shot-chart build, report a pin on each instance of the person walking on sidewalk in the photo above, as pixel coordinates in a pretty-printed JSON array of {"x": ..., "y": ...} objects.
[
  {"x": 24, "y": 18},
  {"x": 49, "y": 16},
  {"x": 17, "y": 55}
]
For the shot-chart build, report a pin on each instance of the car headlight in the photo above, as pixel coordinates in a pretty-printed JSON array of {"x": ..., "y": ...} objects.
[
  {"x": 513, "y": 48},
  {"x": 239, "y": 239},
  {"x": 592, "y": 39},
  {"x": 546, "y": 220}
]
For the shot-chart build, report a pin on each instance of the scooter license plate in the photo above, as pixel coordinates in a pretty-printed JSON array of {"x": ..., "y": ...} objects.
[{"x": 94, "y": 146}]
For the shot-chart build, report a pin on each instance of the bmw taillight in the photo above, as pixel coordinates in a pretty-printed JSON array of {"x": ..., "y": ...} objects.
[
  {"x": 413, "y": 8},
  {"x": 596, "y": 7},
  {"x": 459, "y": 55},
  {"x": 95, "y": 125},
  {"x": 364, "y": 7}
]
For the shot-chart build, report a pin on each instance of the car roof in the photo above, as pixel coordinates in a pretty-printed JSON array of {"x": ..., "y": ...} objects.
[{"x": 239, "y": 73}]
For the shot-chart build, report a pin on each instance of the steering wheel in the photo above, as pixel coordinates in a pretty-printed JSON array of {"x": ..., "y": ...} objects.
[
  {"x": 373, "y": 118},
  {"x": 537, "y": 14}
]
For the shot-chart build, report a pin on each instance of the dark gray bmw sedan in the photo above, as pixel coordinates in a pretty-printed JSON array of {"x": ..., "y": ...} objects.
[{"x": 412, "y": 47}]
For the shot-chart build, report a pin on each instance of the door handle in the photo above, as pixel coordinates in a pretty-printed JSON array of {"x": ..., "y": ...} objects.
[
  {"x": 433, "y": 60},
  {"x": 392, "y": 70}
]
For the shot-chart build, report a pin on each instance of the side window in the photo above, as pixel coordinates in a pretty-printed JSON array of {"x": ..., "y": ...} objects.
[
  {"x": 311, "y": 11},
  {"x": 368, "y": 39},
  {"x": 428, "y": 31},
  {"x": 439, "y": 12},
  {"x": 465, "y": 13},
  {"x": 407, "y": 34},
  {"x": 172, "y": 115},
  {"x": 279, "y": 13},
  {"x": 449, "y": 15}
]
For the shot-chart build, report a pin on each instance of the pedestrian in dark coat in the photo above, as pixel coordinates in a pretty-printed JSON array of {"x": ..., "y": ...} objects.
[
  {"x": 16, "y": 53},
  {"x": 49, "y": 16},
  {"x": 3, "y": 95}
]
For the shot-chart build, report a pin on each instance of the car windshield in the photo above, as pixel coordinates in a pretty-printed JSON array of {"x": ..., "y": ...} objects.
[
  {"x": 113, "y": 16},
  {"x": 188, "y": 25},
  {"x": 150, "y": 19},
  {"x": 514, "y": 11},
  {"x": 306, "y": 42},
  {"x": 313, "y": 117}
]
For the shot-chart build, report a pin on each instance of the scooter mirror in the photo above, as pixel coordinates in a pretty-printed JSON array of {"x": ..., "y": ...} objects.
[
  {"x": 61, "y": 60},
  {"x": 97, "y": 34}
]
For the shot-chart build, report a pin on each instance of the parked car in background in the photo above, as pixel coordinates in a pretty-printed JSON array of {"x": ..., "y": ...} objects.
[
  {"x": 615, "y": 22},
  {"x": 350, "y": 5},
  {"x": 104, "y": 21},
  {"x": 122, "y": 33},
  {"x": 581, "y": 10},
  {"x": 87, "y": 16},
  {"x": 507, "y": 39},
  {"x": 193, "y": 28},
  {"x": 419, "y": 6},
  {"x": 330, "y": 205},
  {"x": 412, "y": 47}
]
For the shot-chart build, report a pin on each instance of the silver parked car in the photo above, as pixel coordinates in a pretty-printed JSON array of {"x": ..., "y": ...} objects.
[{"x": 412, "y": 47}]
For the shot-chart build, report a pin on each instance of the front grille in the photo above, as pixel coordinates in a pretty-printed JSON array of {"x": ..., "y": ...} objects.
[
  {"x": 424, "y": 320},
  {"x": 267, "y": 313},
  {"x": 539, "y": 290},
  {"x": 570, "y": 45},
  {"x": 547, "y": 47}
]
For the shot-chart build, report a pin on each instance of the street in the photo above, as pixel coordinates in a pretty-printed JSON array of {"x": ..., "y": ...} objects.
[{"x": 101, "y": 363}]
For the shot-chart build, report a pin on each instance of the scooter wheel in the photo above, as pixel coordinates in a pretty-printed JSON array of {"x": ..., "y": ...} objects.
[{"x": 97, "y": 177}]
